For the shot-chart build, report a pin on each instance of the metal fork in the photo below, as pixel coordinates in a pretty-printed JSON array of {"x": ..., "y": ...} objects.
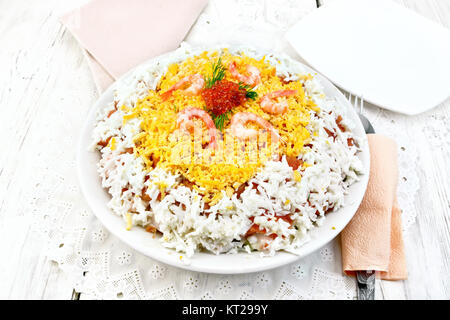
[
  {"x": 365, "y": 279},
  {"x": 358, "y": 103}
]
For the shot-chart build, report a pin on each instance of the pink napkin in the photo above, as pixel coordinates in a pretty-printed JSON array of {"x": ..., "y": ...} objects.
[
  {"x": 120, "y": 34},
  {"x": 373, "y": 238}
]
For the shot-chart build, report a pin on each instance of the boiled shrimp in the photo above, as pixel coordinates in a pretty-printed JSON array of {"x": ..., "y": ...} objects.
[
  {"x": 191, "y": 85},
  {"x": 185, "y": 122},
  {"x": 239, "y": 130},
  {"x": 252, "y": 79},
  {"x": 269, "y": 105}
]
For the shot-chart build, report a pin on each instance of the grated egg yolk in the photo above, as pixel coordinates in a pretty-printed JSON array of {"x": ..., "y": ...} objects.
[{"x": 232, "y": 164}]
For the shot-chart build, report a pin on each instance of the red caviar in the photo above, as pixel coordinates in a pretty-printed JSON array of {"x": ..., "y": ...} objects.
[{"x": 223, "y": 96}]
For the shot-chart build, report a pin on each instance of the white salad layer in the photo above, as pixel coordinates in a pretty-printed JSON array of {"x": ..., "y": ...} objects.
[{"x": 179, "y": 215}]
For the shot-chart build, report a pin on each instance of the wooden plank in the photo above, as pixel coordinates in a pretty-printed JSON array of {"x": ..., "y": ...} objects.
[
  {"x": 428, "y": 241},
  {"x": 42, "y": 69}
]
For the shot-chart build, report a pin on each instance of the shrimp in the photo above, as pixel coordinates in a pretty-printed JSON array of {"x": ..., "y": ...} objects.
[
  {"x": 252, "y": 79},
  {"x": 191, "y": 86},
  {"x": 239, "y": 130},
  {"x": 268, "y": 105},
  {"x": 184, "y": 121}
]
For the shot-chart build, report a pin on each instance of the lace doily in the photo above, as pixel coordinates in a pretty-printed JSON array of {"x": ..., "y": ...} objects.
[{"x": 102, "y": 267}]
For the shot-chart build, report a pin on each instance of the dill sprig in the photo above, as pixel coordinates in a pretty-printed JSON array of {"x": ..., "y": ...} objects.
[
  {"x": 218, "y": 73},
  {"x": 251, "y": 94},
  {"x": 219, "y": 120}
]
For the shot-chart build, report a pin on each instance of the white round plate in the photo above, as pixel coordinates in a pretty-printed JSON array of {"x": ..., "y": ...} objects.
[
  {"x": 142, "y": 241},
  {"x": 389, "y": 55}
]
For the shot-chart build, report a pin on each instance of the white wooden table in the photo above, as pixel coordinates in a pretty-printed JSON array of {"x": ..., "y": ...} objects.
[{"x": 41, "y": 65}]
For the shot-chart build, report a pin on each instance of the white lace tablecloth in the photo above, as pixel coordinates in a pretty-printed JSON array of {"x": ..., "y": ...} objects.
[{"x": 101, "y": 266}]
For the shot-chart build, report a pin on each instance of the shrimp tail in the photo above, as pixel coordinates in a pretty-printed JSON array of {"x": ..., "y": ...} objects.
[{"x": 166, "y": 95}]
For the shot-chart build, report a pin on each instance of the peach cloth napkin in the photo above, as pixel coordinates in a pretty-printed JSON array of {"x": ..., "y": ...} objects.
[
  {"x": 120, "y": 34},
  {"x": 373, "y": 238}
]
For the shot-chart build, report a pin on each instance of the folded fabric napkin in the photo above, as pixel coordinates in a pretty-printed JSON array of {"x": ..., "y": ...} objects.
[
  {"x": 373, "y": 238},
  {"x": 120, "y": 34}
]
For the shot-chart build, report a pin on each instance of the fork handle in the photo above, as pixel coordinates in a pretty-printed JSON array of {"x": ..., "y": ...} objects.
[{"x": 366, "y": 285}]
